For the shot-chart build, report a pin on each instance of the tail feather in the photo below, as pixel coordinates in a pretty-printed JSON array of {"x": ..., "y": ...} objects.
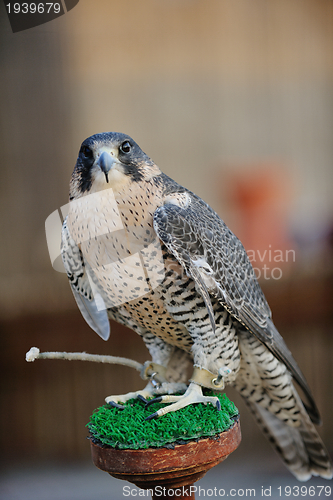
[
  {"x": 266, "y": 386},
  {"x": 301, "y": 448}
]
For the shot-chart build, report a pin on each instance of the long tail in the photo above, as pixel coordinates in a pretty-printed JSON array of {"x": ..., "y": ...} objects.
[
  {"x": 301, "y": 448},
  {"x": 267, "y": 388}
]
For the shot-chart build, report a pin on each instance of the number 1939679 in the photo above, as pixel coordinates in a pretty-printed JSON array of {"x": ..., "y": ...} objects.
[
  {"x": 33, "y": 8},
  {"x": 305, "y": 491}
]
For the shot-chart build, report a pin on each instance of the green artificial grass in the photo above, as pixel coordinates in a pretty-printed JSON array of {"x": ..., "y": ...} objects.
[{"x": 128, "y": 429}]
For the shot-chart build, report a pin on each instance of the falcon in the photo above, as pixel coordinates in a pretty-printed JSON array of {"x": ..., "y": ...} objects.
[{"x": 148, "y": 253}]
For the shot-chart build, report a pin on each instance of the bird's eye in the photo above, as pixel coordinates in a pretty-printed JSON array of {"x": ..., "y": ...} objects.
[
  {"x": 86, "y": 151},
  {"x": 125, "y": 147}
]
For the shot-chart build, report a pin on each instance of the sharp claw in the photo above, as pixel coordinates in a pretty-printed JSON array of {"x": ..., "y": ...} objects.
[
  {"x": 116, "y": 405},
  {"x": 141, "y": 398},
  {"x": 193, "y": 395},
  {"x": 153, "y": 415},
  {"x": 152, "y": 401}
]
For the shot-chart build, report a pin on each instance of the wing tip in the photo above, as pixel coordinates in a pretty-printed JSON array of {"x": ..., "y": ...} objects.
[{"x": 104, "y": 332}]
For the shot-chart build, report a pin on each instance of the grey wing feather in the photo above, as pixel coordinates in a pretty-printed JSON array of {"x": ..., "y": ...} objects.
[
  {"x": 195, "y": 274},
  {"x": 200, "y": 240},
  {"x": 96, "y": 317}
]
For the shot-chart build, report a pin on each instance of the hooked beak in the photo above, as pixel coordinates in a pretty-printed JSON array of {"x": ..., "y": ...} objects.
[{"x": 105, "y": 163}]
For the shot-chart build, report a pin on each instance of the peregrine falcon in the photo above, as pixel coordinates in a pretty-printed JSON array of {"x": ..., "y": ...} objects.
[{"x": 148, "y": 253}]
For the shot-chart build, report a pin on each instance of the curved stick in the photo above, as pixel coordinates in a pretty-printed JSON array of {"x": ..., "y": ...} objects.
[{"x": 35, "y": 353}]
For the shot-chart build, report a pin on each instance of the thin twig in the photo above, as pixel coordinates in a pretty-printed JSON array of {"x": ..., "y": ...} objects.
[{"x": 34, "y": 353}]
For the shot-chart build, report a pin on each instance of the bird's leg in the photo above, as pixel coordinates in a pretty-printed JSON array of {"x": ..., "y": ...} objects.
[
  {"x": 157, "y": 384},
  {"x": 145, "y": 393},
  {"x": 192, "y": 395}
]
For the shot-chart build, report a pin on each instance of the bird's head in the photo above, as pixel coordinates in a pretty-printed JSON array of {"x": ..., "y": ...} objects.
[{"x": 109, "y": 160}]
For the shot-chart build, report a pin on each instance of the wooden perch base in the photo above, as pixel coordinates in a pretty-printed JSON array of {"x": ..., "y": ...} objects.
[{"x": 167, "y": 468}]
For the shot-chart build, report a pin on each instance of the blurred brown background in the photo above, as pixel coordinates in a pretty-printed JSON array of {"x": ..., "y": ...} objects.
[{"x": 232, "y": 98}]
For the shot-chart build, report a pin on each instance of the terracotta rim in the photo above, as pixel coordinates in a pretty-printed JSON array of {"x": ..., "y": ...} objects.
[{"x": 195, "y": 454}]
